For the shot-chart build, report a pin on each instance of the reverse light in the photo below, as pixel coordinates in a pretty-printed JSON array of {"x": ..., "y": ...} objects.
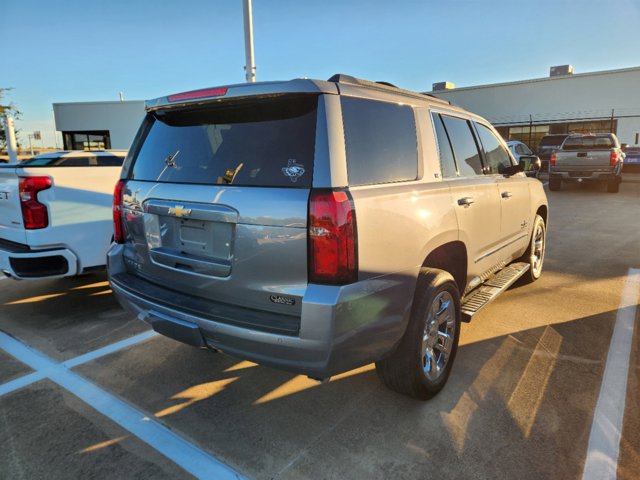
[
  {"x": 552, "y": 159},
  {"x": 118, "y": 232},
  {"x": 332, "y": 238},
  {"x": 34, "y": 214},
  {"x": 207, "y": 92}
]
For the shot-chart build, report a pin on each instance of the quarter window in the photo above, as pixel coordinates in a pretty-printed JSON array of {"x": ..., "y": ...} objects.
[
  {"x": 380, "y": 141},
  {"x": 464, "y": 146},
  {"x": 496, "y": 156},
  {"x": 447, "y": 163}
]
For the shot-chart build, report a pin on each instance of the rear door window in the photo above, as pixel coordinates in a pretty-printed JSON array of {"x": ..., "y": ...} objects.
[
  {"x": 464, "y": 146},
  {"x": 496, "y": 156},
  {"x": 263, "y": 143},
  {"x": 380, "y": 140}
]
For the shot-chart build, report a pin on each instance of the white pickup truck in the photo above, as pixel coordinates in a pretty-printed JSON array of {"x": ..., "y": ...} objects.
[{"x": 56, "y": 213}]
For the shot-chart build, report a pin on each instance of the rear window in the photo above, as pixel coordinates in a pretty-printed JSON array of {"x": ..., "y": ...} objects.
[
  {"x": 267, "y": 143},
  {"x": 380, "y": 141},
  {"x": 58, "y": 162},
  {"x": 109, "y": 161},
  {"x": 589, "y": 143}
]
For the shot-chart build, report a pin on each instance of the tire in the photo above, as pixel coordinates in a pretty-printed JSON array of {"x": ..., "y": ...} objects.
[
  {"x": 534, "y": 255},
  {"x": 435, "y": 311},
  {"x": 555, "y": 184},
  {"x": 613, "y": 186}
]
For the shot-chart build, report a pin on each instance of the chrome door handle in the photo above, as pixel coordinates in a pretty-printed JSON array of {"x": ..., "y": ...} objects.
[
  {"x": 465, "y": 201},
  {"x": 507, "y": 195}
]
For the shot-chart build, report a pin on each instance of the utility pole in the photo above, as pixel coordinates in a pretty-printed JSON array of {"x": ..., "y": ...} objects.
[{"x": 250, "y": 67}]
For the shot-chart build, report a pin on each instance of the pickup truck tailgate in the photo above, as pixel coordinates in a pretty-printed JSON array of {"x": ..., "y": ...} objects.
[
  {"x": 11, "y": 227},
  {"x": 590, "y": 158}
]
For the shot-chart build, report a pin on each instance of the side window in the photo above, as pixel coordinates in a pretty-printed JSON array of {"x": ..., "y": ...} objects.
[
  {"x": 520, "y": 149},
  {"x": 526, "y": 150},
  {"x": 495, "y": 154},
  {"x": 447, "y": 163},
  {"x": 464, "y": 146},
  {"x": 380, "y": 141}
]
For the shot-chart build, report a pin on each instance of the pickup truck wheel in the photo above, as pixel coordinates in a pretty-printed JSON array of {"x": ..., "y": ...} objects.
[
  {"x": 613, "y": 186},
  {"x": 555, "y": 184},
  {"x": 534, "y": 255},
  {"x": 422, "y": 362}
]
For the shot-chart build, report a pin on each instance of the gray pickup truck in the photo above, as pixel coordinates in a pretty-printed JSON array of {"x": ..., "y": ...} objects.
[{"x": 587, "y": 158}]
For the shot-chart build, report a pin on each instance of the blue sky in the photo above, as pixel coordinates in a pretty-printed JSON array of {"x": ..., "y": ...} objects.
[{"x": 74, "y": 50}]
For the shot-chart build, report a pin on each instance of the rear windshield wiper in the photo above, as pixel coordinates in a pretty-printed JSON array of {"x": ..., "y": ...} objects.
[{"x": 170, "y": 162}]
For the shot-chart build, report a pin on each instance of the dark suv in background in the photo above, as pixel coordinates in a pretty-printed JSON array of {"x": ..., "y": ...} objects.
[{"x": 547, "y": 145}]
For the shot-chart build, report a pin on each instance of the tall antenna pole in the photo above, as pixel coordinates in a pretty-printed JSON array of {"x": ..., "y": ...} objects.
[{"x": 250, "y": 67}]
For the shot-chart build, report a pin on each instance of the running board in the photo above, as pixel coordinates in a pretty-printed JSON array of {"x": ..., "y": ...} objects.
[{"x": 479, "y": 298}]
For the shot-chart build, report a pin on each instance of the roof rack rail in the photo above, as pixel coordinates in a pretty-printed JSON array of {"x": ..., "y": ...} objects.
[{"x": 350, "y": 80}]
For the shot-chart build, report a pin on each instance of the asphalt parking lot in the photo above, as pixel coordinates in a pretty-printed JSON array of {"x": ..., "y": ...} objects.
[{"x": 88, "y": 392}]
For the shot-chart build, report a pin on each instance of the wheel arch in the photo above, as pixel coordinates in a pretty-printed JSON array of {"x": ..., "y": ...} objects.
[{"x": 450, "y": 257}]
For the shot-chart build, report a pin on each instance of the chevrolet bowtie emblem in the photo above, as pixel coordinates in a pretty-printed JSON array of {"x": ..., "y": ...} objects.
[{"x": 179, "y": 211}]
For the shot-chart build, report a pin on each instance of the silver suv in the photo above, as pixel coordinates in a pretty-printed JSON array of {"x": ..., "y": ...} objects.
[{"x": 317, "y": 226}]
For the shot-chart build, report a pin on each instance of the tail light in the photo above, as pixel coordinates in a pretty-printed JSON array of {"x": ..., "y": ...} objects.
[
  {"x": 118, "y": 232},
  {"x": 613, "y": 159},
  {"x": 552, "y": 159},
  {"x": 34, "y": 214},
  {"x": 332, "y": 238}
]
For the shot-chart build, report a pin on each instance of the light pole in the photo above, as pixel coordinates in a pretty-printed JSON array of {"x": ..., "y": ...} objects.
[{"x": 250, "y": 67}]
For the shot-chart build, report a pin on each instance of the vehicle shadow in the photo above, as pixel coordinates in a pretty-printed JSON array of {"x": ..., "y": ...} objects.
[
  {"x": 64, "y": 317},
  {"x": 517, "y": 405}
]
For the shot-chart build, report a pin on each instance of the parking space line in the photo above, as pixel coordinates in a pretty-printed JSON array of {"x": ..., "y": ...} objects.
[
  {"x": 21, "y": 382},
  {"x": 185, "y": 454},
  {"x": 114, "y": 347},
  {"x": 606, "y": 430}
]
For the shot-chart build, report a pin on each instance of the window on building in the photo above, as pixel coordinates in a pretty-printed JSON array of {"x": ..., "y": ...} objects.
[
  {"x": 529, "y": 135},
  {"x": 93, "y": 140},
  {"x": 464, "y": 146},
  {"x": 380, "y": 141},
  {"x": 447, "y": 163}
]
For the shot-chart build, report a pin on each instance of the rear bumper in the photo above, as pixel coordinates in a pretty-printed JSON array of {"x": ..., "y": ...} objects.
[
  {"x": 341, "y": 328},
  {"x": 577, "y": 175},
  {"x": 20, "y": 262}
]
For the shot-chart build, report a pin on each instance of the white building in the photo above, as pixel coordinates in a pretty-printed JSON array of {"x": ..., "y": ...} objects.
[
  {"x": 98, "y": 125},
  {"x": 607, "y": 101}
]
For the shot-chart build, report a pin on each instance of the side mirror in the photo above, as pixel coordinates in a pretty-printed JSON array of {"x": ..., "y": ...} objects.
[
  {"x": 624, "y": 146},
  {"x": 530, "y": 163}
]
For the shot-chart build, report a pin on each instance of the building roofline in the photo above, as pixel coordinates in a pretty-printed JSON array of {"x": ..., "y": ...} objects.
[{"x": 535, "y": 80}]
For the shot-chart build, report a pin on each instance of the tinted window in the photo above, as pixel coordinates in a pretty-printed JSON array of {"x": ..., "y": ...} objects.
[
  {"x": 496, "y": 156},
  {"x": 464, "y": 146},
  {"x": 258, "y": 143},
  {"x": 74, "y": 162},
  {"x": 109, "y": 161},
  {"x": 552, "y": 141},
  {"x": 380, "y": 141},
  {"x": 447, "y": 163},
  {"x": 520, "y": 149}
]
